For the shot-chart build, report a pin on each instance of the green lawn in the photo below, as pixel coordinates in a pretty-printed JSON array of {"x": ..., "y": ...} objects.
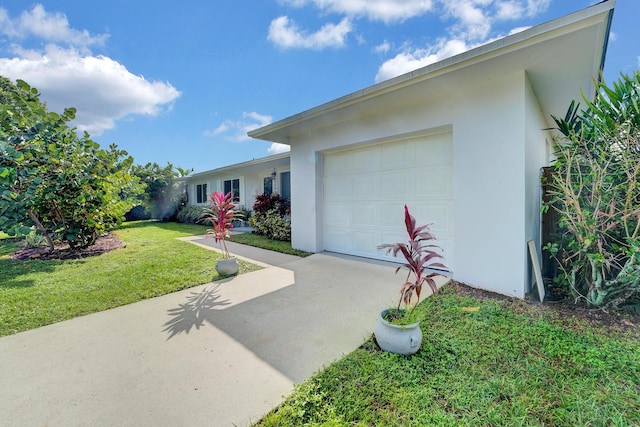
[
  {"x": 37, "y": 293},
  {"x": 508, "y": 364},
  {"x": 266, "y": 243}
]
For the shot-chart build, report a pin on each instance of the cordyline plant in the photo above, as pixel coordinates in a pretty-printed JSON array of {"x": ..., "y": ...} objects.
[
  {"x": 420, "y": 254},
  {"x": 221, "y": 215}
]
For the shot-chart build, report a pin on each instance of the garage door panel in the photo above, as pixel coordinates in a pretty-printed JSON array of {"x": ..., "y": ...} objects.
[
  {"x": 364, "y": 185},
  {"x": 366, "y": 189},
  {"x": 438, "y": 214},
  {"x": 433, "y": 182},
  {"x": 337, "y": 166},
  {"x": 339, "y": 239},
  {"x": 398, "y": 155},
  {"x": 394, "y": 185},
  {"x": 367, "y": 216},
  {"x": 336, "y": 215},
  {"x": 362, "y": 241},
  {"x": 437, "y": 152},
  {"x": 392, "y": 218},
  {"x": 342, "y": 188},
  {"x": 367, "y": 161}
]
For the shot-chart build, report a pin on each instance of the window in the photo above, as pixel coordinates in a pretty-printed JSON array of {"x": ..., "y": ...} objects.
[
  {"x": 285, "y": 185},
  {"x": 233, "y": 186},
  {"x": 201, "y": 193},
  {"x": 268, "y": 186}
]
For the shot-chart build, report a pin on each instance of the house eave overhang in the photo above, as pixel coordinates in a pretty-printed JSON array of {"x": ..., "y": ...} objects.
[
  {"x": 242, "y": 165},
  {"x": 596, "y": 18}
]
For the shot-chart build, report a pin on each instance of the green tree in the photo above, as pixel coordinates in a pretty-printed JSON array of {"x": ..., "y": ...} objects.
[
  {"x": 51, "y": 178},
  {"x": 596, "y": 191},
  {"x": 164, "y": 193}
]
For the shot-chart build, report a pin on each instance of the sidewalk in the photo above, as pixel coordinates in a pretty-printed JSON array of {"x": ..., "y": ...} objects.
[{"x": 220, "y": 354}]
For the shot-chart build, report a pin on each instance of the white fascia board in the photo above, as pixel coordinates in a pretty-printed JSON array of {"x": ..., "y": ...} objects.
[
  {"x": 279, "y": 131},
  {"x": 248, "y": 163}
]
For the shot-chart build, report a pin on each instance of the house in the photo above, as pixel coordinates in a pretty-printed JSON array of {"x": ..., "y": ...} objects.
[
  {"x": 461, "y": 142},
  {"x": 245, "y": 180}
]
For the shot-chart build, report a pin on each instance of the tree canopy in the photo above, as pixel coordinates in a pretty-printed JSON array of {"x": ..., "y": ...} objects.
[
  {"x": 52, "y": 179},
  {"x": 164, "y": 192}
]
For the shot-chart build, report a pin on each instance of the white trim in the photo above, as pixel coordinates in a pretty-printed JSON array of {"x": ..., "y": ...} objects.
[{"x": 279, "y": 131}]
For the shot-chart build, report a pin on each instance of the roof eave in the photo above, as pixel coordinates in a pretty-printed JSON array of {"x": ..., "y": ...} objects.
[
  {"x": 276, "y": 132},
  {"x": 248, "y": 163}
]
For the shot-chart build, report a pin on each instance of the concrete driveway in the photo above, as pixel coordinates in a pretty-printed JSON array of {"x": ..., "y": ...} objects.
[{"x": 219, "y": 354}]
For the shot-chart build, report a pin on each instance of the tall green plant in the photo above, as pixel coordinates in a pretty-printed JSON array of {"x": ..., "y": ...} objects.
[
  {"x": 53, "y": 179},
  {"x": 595, "y": 189},
  {"x": 164, "y": 192}
]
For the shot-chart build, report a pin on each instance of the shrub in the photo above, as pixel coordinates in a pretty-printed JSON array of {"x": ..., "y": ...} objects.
[
  {"x": 33, "y": 240},
  {"x": 595, "y": 189},
  {"x": 137, "y": 213},
  {"x": 272, "y": 225},
  {"x": 265, "y": 203},
  {"x": 190, "y": 214}
]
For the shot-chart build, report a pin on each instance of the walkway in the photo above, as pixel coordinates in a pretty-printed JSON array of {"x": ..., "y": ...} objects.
[{"x": 219, "y": 354}]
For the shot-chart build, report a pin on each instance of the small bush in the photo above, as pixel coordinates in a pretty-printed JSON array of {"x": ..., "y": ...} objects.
[
  {"x": 265, "y": 203},
  {"x": 272, "y": 225},
  {"x": 190, "y": 214},
  {"x": 137, "y": 213},
  {"x": 33, "y": 240}
]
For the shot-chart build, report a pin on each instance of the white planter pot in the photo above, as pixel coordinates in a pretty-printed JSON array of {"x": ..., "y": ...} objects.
[
  {"x": 227, "y": 267},
  {"x": 401, "y": 339}
]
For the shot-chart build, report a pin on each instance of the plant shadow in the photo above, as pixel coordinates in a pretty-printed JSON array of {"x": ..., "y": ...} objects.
[
  {"x": 194, "y": 312},
  {"x": 15, "y": 273}
]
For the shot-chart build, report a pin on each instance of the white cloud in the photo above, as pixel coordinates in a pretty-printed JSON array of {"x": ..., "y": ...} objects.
[
  {"x": 285, "y": 33},
  {"x": 509, "y": 10},
  {"x": 51, "y": 27},
  {"x": 472, "y": 24},
  {"x": 236, "y": 130},
  {"x": 384, "y": 47},
  {"x": 517, "y": 9},
  {"x": 278, "y": 148},
  {"x": 418, "y": 58},
  {"x": 472, "y": 21},
  {"x": 68, "y": 75},
  {"x": 387, "y": 11}
]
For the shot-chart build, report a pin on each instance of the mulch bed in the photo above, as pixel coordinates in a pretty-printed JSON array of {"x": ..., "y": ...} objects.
[
  {"x": 103, "y": 244},
  {"x": 564, "y": 309}
]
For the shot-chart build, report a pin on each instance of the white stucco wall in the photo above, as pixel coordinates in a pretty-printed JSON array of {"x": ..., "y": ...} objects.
[
  {"x": 251, "y": 175},
  {"x": 537, "y": 146},
  {"x": 494, "y": 199},
  {"x": 489, "y": 185}
]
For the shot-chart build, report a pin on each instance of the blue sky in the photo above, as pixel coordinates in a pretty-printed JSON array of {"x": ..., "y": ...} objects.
[{"x": 183, "y": 83}]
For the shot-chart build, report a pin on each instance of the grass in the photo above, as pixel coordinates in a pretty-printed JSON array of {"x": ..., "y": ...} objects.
[
  {"x": 508, "y": 364},
  {"x": 37, "y": 293},
  {"x": 266, "y": 243}
]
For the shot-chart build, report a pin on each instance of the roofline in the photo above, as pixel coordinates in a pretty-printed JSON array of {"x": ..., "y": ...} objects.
[
  {"x": 243, "y": 164},
  {"x": 606, "y": 40},
  {"x": 466, "y": 58}
]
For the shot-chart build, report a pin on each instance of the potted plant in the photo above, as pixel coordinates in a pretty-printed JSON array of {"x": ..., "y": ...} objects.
[
  {"x": 221, "y": 215},
  {"x": 398, "y": 329}
]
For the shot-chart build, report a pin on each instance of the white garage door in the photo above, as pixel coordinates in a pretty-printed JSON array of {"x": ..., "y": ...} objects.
[{"x": 365, "y": 190}]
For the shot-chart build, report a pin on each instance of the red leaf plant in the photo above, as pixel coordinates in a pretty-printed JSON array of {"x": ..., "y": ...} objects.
[
  {"x": 221, "y": 215},
  {"x": 420, "y": 253}
]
